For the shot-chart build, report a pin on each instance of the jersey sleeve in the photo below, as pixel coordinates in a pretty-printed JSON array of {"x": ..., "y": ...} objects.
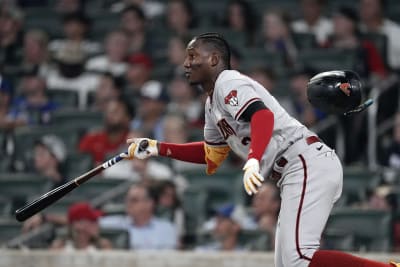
[{"x": 236, "y": 96}]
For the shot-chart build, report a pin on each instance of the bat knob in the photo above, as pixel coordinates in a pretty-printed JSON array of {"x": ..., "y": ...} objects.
[{"x": 143, "y": 145}]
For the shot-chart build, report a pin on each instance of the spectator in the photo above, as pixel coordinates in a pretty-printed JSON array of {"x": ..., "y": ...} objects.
[
  {"x": 265, "y": 76},
  {"x": 114, "y": 60},
  {"x": 346, "y": 36},
  {"x": 133, "y": 23},
  {"x": 240, "y": 18},
  {"x": 147, "y": 232},
  {"x": 109, "y": 140},
  {"x": 394, "y": 149},
  {"x": 48, "y": 156},
  {"x": 35, "y": 52},
  {"x": 225, "y": 234},
  {"x": 84, "y": 230},
  {"x": 138, "y": 73},
  {"x": 151, "y": 8},
  {"x": 139, "y": 170},
  {"x": 265, "y": 209},
  {"x": 70, "y": 74},
  {"x": 276, "y": 36},
  {"x": 180, "y": 17},
  {"x": 151, "y": 110},
  {"x": 76, "y": 27},
  {"x": 169, "y": 205},
  {"x": 69, "y": 6},
  {"x": 176, "y": 53},
  {"x": 11, "y": 21},
  {"x": 108, "y": 88},
  {"x": 33, "y": 107},
  {"x": 373, "y": 21},
  {"x": 184, "y": 99},
  {"x": 313, "y": 20},
  {"x": 5, "y": 101},
  {"x": 301, "y": 107}
]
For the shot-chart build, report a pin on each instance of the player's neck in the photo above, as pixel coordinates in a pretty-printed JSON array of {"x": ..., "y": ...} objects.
[{"x": 209, "y": 85}]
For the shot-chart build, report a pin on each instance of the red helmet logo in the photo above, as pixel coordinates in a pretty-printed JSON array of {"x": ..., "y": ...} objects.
[{"x": 344, "y": 87}]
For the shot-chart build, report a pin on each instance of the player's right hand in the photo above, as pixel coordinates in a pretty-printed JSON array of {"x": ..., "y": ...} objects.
[
  {"x": 142, "y": 148},
  {"x": 252, "y": 177}
]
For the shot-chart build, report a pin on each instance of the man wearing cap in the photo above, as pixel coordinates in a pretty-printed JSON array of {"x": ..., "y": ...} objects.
[
  {"x": 153, "y": 104},
  {"x": 138, "y": 73},
  {"x": 225, "y": 234},
  {"x": 84, "y": 230}
]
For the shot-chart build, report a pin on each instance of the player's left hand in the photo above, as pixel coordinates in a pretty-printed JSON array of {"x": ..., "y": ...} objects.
[
  {"x": 252, "y": 178},
  {"x": 142, "y": 148}
]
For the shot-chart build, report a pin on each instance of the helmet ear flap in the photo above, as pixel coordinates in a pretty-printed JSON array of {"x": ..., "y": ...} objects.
[{"x": 335, "y": 92}]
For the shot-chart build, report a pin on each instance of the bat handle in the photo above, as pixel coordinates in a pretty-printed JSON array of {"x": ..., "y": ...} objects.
[{"x": 114, "y": 160}]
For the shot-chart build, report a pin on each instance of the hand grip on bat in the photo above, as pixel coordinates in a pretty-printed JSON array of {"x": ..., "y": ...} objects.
[{"x": 142, "y": 148}]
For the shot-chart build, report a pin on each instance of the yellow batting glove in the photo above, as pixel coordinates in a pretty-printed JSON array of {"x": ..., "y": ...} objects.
[
  {"x": 214, "y": 156},
  {"x": 252, "y": 178}
]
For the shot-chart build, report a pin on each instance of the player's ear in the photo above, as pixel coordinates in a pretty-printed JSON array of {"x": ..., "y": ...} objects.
[{"x": 214, "y": 59}]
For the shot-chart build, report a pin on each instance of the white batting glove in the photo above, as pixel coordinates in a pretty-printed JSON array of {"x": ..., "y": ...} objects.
[
  {"x": 252, "y": 178},
  {"x": 142, "y": 148}
]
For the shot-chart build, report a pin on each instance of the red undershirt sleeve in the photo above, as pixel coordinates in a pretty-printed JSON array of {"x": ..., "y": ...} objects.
[
  {"x": 261, "y": 128},
  {"x": 189, "y": 152}
]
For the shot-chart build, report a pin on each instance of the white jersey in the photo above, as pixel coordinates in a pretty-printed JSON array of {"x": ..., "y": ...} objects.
[{"x": 233, "y": 93}]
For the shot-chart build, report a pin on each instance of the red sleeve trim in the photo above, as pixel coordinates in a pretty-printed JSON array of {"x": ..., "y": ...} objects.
[
  {"x": 189, "y": 152},
  {"x": 243, "y": 108},
  {"x": 261, "y": 128}
]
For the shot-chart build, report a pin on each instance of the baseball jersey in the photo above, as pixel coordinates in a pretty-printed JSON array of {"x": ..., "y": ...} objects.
[{"x": 233, "y": 93}]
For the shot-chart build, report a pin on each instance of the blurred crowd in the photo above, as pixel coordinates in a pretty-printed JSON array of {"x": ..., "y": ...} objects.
[{"x": 122, "y": 60}]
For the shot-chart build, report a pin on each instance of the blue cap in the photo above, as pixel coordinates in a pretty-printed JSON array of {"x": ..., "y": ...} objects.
[
  {"x": 226, "y": 210},
  {"x": 5, "y": 86}
]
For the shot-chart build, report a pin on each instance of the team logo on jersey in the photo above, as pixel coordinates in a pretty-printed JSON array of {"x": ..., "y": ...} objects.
[
  {"x": 344, "y": 87},
  {"x": 231, "y": 98}
]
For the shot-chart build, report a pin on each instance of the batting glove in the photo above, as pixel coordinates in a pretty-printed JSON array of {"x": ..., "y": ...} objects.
[
  {"x": 252, "y": 177},
  {"x": 142, "y": 148}
]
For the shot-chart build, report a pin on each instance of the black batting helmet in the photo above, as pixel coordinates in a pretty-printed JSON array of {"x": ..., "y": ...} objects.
[{"x": 336, "y": 92}]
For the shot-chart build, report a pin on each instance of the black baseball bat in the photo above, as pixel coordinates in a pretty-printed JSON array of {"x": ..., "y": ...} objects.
[{"x": 52, "y": 196}]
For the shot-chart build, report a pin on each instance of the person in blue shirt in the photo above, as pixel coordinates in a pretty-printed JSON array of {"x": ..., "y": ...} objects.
[
  {"x": 146, "y": 231},
  {"x": 32, "y": 107}
]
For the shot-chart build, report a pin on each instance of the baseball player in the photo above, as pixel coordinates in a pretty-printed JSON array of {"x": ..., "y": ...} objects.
[{"x": 240, "y": 115}]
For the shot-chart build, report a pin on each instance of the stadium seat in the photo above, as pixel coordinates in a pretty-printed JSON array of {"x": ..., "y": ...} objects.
[
  {"x": 44, "y": 19},
  {"x": 337, "y": 240},
  {"x": 26, "y": 137},
  {"x": 94, "y": 188},
  {"x": 8, "y": 230},
  {"x": 64, "y": 97},
  {"x": 79, "y": 120},
  {"x": 372, "y": 229},
  {"x": 304, "y": 40},
  {"x": 194, "y": 206},
  {"x": 328, "y": 59},
  {"x": 119, "y": 238},
  {"x": 356, "y": 182},
  {"x": 77, "y": 164}
]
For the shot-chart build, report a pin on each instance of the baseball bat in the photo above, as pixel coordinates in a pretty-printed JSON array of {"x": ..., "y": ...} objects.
[{"x": 52, "y": 196}]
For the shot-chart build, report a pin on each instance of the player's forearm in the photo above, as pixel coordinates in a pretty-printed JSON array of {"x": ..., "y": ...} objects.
[
  {"x": 189, "y": 152},
  {"x": 262, "y": 125}
]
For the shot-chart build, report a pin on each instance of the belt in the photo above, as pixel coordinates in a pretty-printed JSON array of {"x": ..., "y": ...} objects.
[{"x": 281, "y": 162}]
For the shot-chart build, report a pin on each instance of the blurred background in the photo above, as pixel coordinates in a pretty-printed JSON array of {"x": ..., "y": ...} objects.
[{"x": 78, "y": 77}]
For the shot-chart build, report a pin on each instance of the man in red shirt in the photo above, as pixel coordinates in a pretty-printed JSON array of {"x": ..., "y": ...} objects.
[{"x": 111, "y": 138}]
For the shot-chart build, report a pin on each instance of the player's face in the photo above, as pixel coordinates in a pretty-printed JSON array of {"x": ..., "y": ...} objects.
[{"x": 196, "y": 63}]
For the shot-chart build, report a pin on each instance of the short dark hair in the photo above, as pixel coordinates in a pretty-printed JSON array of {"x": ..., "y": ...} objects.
[
  {"x": 134, "y": 9},
  {"x": 219, "y": 43}
]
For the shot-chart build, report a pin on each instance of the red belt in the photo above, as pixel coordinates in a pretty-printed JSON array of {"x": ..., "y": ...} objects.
[{"x": 281, "y": 162}]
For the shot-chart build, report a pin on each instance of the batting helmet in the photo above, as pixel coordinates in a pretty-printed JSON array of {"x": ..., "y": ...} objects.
[{"x": 336, "y": 92}]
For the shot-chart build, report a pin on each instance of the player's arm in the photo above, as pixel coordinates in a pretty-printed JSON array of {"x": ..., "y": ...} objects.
[
  {"x": 196, "y": 152},
  {"x": 261, "y": 121}
]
